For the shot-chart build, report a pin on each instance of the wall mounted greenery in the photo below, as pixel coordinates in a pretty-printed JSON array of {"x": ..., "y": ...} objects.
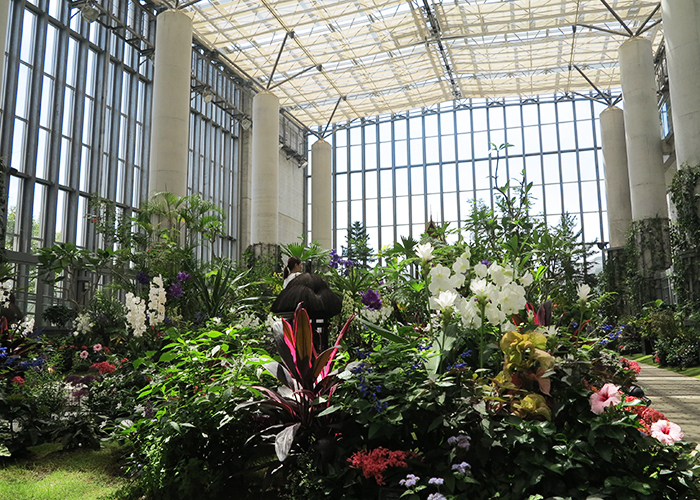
[{"x": 685, "y": 237}]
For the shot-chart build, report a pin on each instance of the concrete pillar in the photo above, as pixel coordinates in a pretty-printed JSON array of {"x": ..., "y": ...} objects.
[
  {"x": 643, "y": 130},
  {"x": 265, "y": 156},
  {"x": 682, "y": 38},
  {"x": 321, "y": 207},
  {"x": 171, "y": 103},
  {"x": 617, "y": 183},
  {"x": 4, "y": 20}
]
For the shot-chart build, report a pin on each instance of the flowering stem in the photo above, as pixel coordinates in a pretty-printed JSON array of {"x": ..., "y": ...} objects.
[{"x": 482, "y": 308}]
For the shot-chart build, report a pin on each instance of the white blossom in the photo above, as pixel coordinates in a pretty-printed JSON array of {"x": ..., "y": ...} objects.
[
  {"x": 5, "y": 291},
  {"x": 82, "y": 324},
  {"x": 583, "y": 292},
  {"x": 494, "y": 315},
  {"x": 156, "y": 301},
  {"x": 248, "y": 321},
  {"x": 136, "y": 314},
  {"x": 501, "y": 276},
  {"x": 445, "y": 300},
  {"x": 512, "y": 298},
  {"x": 526, "y": 279},
  {"x": 461, "y": 264},
  {"x": 26, "y": 327},
  {"x": 425, "y": 251},
  {"x": 470, "y": 313},
  {"x": 481, "y": 270}
]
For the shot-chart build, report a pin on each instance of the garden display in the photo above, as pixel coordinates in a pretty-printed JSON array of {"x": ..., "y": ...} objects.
[{"x": 458, "y": 368}]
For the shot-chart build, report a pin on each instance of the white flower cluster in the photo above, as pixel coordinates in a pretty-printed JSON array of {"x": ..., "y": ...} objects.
[
  {"x": 156, "y": 301},
  {"x": 82, "y": 324},
  {"x": 5, "y": 291},
  {"x": 136, "y": 307},
  {"x": 136, "y": 314},
  {"x": 247, "y": 320},
  {"x": 495, "y": 289},
  {"x": 377, "y": 317},
  {"x": 271, "y": 320},
  {"x": 26, "y": 327}
]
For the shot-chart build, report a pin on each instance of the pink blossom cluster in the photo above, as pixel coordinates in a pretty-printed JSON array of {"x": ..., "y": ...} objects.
[{"x": 653, "y": 422}]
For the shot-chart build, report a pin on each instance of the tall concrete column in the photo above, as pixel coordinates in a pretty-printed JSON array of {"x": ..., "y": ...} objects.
[
  {"x": 682, "y": 38},
  {"x": 265, "y": 159},
  {"x": 321, "y": 207},
  {"x": 171, "y": 103},
  {"x": 617, "y": 183},
  {"x": 643, "y": 130}
]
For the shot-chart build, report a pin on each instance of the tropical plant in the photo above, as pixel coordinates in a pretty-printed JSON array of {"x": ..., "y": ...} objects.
[{"x": 307, "y": 379}]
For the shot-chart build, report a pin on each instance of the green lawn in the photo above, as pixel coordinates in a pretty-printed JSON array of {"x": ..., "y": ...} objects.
[
  {"x": 50, "y": 474},
  {"x": 648, "y": 359}
]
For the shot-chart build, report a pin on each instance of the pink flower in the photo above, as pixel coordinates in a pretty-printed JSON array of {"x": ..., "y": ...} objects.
[
  {"x": 84, "y": 355},
  {"x": 97, "y": 347},
  {"x": 609, "y": 395},
  {"x": 666, "y": 432}
]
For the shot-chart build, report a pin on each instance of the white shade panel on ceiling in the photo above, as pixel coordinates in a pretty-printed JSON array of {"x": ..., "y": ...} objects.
[{"x": 393, "y": 55}]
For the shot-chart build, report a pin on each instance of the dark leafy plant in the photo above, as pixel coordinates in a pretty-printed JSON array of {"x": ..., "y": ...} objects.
[{"x": 307, "y": 380}]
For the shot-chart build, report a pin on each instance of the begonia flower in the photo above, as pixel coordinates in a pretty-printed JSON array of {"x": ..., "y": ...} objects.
[{"x": 608, "y": 395}]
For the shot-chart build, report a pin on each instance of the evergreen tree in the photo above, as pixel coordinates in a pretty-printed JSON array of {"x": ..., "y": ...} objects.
[{"x": 358, "y": 249}]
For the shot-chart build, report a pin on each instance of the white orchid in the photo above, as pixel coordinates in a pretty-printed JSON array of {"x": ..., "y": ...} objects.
[
  {"x": 424, "y": 252},
  {"x": 136, "y": 314},
  {"x": 156, "y": 301},
  {"x": 512, "y": 298},
  {"x": 500, "y": 275}
]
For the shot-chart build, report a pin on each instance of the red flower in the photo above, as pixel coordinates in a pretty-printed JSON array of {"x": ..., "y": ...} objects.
[
  {"x": 103, "y": 367},
  {"x": 373, "y": 463},
  {"x": 18, "y": 380},
  {"x": 647, "y": 414}
]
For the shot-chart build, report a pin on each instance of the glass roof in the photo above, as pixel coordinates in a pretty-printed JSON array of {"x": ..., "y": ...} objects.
[{"x": 387, "y": 56}]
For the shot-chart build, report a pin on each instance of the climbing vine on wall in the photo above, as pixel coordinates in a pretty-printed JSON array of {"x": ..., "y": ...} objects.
[
  {"x": 646, "y": 260},
  {"x": 685, "y": 237}
]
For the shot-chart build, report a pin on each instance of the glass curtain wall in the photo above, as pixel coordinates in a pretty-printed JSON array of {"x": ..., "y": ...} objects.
[
  {"x": 75, "y": 121},
  {"x": 397, "y": 172},
  {"x": 219, "y": 104}
]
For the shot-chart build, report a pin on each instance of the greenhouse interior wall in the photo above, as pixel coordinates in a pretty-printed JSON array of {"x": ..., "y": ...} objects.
[{"x": 75, "y": 115}]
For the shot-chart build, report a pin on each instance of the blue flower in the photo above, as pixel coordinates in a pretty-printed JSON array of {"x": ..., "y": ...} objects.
[
  {"x": 142, "y": 278},
  {"x": 436, "y": 480}
]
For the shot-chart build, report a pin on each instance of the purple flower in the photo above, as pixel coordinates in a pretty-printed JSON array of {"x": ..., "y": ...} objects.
[
  {"x": 182, "y": 276},
  {"x": 436, "y": 480},
  {"x": 142, "y": 278},
  {"x": 175, "y": 289},
  {"x": 485, "y": 262},
  {"x": 461, "y": 468},
  {"x": 410, "y": 481},
  {"x": 461, "y": 441},
  {"x": 371, "y": 300},
  {"x": 436, "y": 496},
  {"x": 335, "y": 259}
]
